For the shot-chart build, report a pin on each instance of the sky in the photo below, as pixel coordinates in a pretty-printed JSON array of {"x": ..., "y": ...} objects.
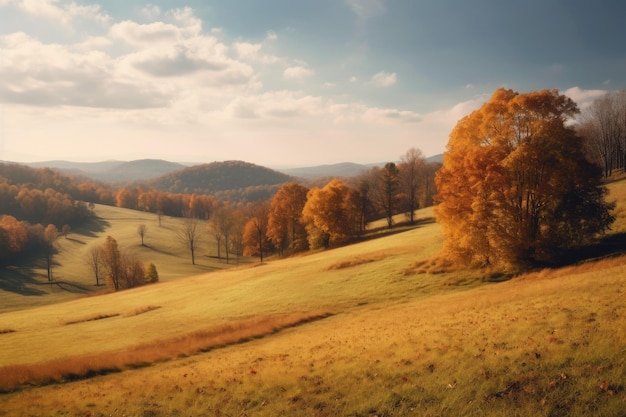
[{"x": 283, "y": 83}]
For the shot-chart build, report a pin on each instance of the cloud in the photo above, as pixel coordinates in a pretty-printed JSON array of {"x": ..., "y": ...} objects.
[
  {"x": 39, "y": 74},
  {"x": 366, "y": 9},
  {"x": 297, "y": 73},
  {"x": 271, "y": 36},
  {"x": 137, "y": 34},
  {"x": 384, "y": 79},
  {"x": 378, "y": 115},
  {"x": 63, "y": 14},
  {"x": 252, "y": 52},
  {"x": 583, "y": 98}
]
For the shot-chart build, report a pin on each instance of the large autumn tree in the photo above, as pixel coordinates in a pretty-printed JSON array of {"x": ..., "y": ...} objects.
[{"x": 516, "y": 187}]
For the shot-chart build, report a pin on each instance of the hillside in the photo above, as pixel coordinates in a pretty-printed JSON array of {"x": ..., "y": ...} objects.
[
  {"x": 352, "y": 331},
  {"x": 341, "y": 170},
  {"x": 113, "y": 171},
  {"x": 218, "y": 176}
]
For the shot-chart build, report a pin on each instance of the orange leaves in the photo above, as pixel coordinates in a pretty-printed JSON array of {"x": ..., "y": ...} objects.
[
  {"x": 331, "y": 214},
  {"x": 509, "y": 168}
]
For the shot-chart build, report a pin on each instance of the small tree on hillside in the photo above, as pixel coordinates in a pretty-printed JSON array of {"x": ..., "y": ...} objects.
[
  {"x": 152, "y": 275},
  {"x": 112, "y": 262},
  {"x": 188, "y": 234},
  {"x": 412, "y": 177},
  {"x": 141, "y": 231},
  {"x": 51, "y": 234},
  {"x": 94, "y": 261}
]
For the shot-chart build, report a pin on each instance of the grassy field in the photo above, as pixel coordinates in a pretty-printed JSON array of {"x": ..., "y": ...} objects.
[
  {"x": 352, "y": 331},
  {"x": 28, "y": 286}
]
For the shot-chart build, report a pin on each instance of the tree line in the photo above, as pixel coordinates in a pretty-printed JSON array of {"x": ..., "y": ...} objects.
[{"x": 299, "y": 218}]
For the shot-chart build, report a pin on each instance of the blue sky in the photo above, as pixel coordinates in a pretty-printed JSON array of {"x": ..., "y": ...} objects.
[{"x": 283, "y": 82}]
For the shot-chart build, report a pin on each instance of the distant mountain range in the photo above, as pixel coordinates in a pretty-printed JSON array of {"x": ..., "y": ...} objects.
[
  {"x": 151, "y": 171},
  {"x": 344, "y": 169},
  {"x": 113, "y": 171}
]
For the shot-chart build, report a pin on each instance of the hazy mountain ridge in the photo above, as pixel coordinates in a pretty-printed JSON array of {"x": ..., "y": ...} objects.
[
  {"x": 342, "y": 169},
  {"x": 218, "y": 176},
  {"x": 112, "y": 171},
  {"x": 208, "y": 178}
]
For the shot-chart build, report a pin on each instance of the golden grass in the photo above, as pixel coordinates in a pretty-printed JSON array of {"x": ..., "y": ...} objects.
[
  {"x": 399, "y": 342},
  {"x": 75, "y": 279},
  {"x": 89, "y": 365}
]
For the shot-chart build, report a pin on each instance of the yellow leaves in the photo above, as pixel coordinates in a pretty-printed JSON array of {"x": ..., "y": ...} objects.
[
  {"x": 330, "y": 214},
  {"x": 509, "y": 165}
]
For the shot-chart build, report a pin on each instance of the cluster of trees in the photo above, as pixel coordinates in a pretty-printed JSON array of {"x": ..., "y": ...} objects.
[
  {"x": 603, "y": 125},
  {"x": 298, "y": 218},
  {"x": 33, "y": 214},
  {"x": 516, "y": 186},
  {"x": 121, "y": 269}
]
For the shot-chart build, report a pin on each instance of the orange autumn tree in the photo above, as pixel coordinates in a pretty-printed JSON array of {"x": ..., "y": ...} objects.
[
  {"x": 516, "y": 187},
  {"x": 285, "y": 227},
  {"x": 331, "y": 215}
]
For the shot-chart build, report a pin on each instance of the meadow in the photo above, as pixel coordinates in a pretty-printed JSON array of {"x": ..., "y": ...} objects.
[{"x": 353, "y": 331}]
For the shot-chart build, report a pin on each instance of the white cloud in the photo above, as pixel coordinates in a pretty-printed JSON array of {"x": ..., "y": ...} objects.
[
  {"x": 583, "y": 98},
  {"x": 63, "y": 14},
  {"x": 146, "y": 34},
  {"x": 271, "y": 36},
  {"x": 384, "y": 79},
  {"x": 252, "y": 52},
  {"x": 151, "y": 11},
  {"x": 298, "y": 73},
  {"x": 39, "y": 74},
  {"x": 366, "y": 9}
]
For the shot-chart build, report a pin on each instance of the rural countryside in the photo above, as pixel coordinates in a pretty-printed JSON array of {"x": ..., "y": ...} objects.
[{"x": 295, "y": 209}]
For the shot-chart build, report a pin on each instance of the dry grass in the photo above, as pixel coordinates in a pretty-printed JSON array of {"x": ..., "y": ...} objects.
[
  {"x": 90, "y": 365},
  {"x": 401, "y": 341},
  {"x": 91, "y": 318}
]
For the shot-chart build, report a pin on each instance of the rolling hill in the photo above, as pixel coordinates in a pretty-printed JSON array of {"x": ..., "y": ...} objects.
[
  {"x": 113, "y": 171},
  {"x": 355, "y": 331},
  {"x": 218, "y": 176}
]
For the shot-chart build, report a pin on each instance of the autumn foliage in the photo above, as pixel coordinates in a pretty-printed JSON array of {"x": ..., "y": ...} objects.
[
  {"x": 516, "y": 186},
  {"x": 331, "y": 214}
]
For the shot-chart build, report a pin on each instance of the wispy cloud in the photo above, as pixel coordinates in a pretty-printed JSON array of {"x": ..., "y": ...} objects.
[
  {"x": 366, "y": 9},
  {"x": 298, "y": 73},
  {"x": 384, "y": 79}
]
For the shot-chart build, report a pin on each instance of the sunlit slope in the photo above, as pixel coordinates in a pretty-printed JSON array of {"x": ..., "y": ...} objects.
[
  {"x": 28, "y": 287},
  {"x": 397, "y": 343},
  {"x": 370, "y": 272}
]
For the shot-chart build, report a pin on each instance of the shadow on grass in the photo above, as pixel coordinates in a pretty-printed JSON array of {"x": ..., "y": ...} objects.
[
  {"x": 609, "y": 246},
  {"x": 92, "y": 227},
  {"x": 18, "y": 280},
  {"x": 395, "y": 229}
]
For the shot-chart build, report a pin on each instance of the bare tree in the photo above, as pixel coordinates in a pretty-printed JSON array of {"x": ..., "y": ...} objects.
[
  {"x": 51, "y": 234},
  {"x": 412, "y": 169},
  {"x": 387, "y": 190},
  {"x": 94, "y": 261},
  {"x": 221, "y": 224},
  {"x": 141, "y": 231},
  {"x": 604, "y": 127},
  {"x": 188, "y": 234}
]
